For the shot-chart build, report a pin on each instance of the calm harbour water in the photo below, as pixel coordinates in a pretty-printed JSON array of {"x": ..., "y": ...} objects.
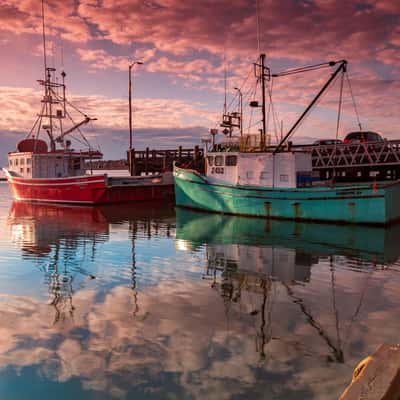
[{"x": 140, "y": 302}]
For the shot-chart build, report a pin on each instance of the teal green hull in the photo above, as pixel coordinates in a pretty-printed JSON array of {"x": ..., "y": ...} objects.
[{"x": 361, "y": 203}]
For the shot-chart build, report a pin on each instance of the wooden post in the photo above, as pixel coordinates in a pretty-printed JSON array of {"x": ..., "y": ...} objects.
[
  {"x": 146, "y": 161},
  {"x": 133, "y": 163},
  {"x": 164, "y": 164},
  {"x": 128, "y": 159},
  {"x": 180, "y": 153}
]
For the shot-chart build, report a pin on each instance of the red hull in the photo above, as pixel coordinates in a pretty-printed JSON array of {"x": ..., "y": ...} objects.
[{"x": 85, "y": 190}]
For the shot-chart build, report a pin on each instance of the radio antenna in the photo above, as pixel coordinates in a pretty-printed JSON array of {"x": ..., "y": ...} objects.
[
  {"x": 258, "y": 26},
  {"x": 44, "y": 42}
]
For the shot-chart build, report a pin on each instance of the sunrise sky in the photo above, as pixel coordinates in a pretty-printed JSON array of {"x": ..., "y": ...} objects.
[{"x": 179, "y": 90}]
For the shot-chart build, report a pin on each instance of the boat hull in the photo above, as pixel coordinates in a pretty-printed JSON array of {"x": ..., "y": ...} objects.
[
  {"x": 90, "y": 190},
  {"x": 364, "y": 203}
]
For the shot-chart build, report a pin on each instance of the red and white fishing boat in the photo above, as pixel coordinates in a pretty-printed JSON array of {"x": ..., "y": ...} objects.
[{"x": 52, "y": 171}]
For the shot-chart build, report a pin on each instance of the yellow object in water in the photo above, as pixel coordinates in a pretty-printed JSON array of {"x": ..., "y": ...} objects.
[{"x": 360, "y": 366}]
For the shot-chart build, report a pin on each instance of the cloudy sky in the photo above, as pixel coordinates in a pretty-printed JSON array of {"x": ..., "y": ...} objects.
[{"x": 187, "y": 48}]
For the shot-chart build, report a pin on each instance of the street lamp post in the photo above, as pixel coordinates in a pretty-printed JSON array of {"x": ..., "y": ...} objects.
[
  {"x": 130, "y": 158},
  {"x": 241, "y": 109}
]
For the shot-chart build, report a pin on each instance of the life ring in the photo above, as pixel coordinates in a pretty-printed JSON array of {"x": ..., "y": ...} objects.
[{"x": 360, "y": 367}]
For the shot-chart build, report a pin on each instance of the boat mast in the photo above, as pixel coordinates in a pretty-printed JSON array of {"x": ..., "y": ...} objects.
[
  {"x": 263, "y": 74},
  {"x": 47, "y": 100},
  {"x": 54, "y": 103},
  {"x": 264, "y": 133}
]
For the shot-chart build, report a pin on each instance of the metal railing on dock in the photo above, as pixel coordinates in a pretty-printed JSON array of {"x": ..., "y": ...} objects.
[{"x": 357, "y": 160}]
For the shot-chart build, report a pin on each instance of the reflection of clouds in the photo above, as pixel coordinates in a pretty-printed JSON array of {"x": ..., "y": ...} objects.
[{"x": 182, "y": 332}]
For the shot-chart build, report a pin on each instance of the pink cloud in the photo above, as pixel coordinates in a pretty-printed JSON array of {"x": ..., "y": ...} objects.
[
  {"x": 111, "y": 112},
  {"x": 24, "y": 16},
  {"x": 101, "y": 60}
]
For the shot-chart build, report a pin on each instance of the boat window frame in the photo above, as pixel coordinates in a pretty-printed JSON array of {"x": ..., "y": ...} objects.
[
  {"x": 220, "y": 162},
  {"x": 76, "y": 164},
  {"x": 264, "y": 175},
  {"x": 210, "y": 160},
  {"x": 284, "y": 178},
  {"x": 230, "y": 163}
]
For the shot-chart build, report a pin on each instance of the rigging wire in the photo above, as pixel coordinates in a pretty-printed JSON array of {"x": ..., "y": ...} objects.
[
  {"x": 339, "y": 113},
  {"x": 304, "y": 69},
  {"x": 339, "y": 351},
  {"x": 339, "y": 106},
  {"x": 252, "y": 110},
  {"x": 240, "y": 87},
  {"x": 83, "y": 136},
  {"x": 316, "y": 103},
  {"x": 246, "y": 94},
  {"x": 34, "y": 125},
  {"x": 354, "y": 101},
  {"x": 274, "y": 114},
  {"x": 268, "y": 115}
]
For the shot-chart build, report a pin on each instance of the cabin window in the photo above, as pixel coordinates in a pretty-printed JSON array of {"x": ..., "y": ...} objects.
[
  {"x": 28, "y": 161},
  {"x": 28, "y": 170},
  {"x": 11, "y": 163},
  {"x": 21, "y": 170},
  {"x": 219, "y": 161},
  {"x": 284, "y": 178},
  {"x": 230, "y": 161},
  {"x": 22, "y": 161},
  {"x": 77, "y": 164},
  {"x": 210, "y": 160},
  {"x": 264, "y": 175},
  {"x": 16, "y": 161}
]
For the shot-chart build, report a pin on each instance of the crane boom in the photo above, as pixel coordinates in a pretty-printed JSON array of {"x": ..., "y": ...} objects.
[
  {"x": 76, "y": 126},
  {"x": 342, "y": 67}
]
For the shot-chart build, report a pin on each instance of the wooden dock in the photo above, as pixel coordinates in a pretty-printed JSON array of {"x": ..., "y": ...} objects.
[{"x": 150, "y": 161}]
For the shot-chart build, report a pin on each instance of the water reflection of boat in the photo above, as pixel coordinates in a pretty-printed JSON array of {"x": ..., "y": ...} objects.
[
  {"x": 304, "y": 240},
  {"x": 255, "y": 264},
  {"x": 37, "y": 226},
  {"x": 62, "y": 240}
]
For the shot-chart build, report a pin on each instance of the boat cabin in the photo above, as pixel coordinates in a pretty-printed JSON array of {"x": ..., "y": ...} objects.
[
  {"x": 241, "y": 161},
  {"x": 286, "y": 169},
  {"x": 32, "y": 161}
]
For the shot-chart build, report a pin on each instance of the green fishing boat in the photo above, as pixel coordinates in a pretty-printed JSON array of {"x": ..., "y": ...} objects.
[{"x": 245, "y": 175}]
